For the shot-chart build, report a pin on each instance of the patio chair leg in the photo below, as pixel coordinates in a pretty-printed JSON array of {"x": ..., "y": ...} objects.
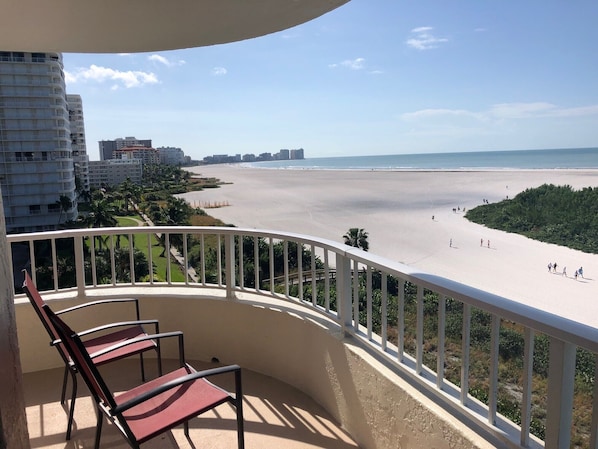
[
  {"x": 186, "y": 426},
  {"x": 98, "y": 427},
  {"x": 239, "y": 407},
  {"x": 72, "y": 406},
  {"x": 64, "y": 381}
]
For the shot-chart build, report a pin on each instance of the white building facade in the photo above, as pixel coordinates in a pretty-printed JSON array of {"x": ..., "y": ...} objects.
[
  {"x": 36, "y": 159},
  {"x": 115, "y": 171},
  {"x": 171, "y": 156}
]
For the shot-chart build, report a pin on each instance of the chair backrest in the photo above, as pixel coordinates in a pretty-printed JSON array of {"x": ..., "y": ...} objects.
[
  {"x": 38, "y": 305},
  {"x": 87, "y": 369}
]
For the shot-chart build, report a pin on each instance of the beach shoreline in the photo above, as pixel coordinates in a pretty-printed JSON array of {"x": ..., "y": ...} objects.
[{"x": 417, "y": 218}]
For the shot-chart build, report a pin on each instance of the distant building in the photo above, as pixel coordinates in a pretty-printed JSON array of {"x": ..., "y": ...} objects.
[
  {"x": 115, "y": 171},
  {"x": 36, "y": 159},
  {"x": 108, "y": 147},
  {"x": 78, "y": 145},
  {"x": 171, "y": 156},
  {"x": 146, "y": 155},
  {"x": 297, "y": 154},
  {"x": 283, "y": 155}
]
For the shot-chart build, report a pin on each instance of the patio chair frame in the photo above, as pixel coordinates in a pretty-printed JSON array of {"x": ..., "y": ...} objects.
[
  {"x": 110, "y": 334},
  {"x": 150, "y": 409}
]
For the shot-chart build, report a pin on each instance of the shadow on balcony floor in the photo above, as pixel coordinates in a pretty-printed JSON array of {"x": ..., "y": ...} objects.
[{"x": 276, "y": 415}]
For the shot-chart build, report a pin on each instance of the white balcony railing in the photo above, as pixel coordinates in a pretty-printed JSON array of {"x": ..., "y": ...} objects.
[{"x": 405, "y": 316}]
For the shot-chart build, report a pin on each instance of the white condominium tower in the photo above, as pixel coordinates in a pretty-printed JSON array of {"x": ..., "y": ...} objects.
[
  {"x": 78, "y": 145},
  {"x": 37, "y": 174}
]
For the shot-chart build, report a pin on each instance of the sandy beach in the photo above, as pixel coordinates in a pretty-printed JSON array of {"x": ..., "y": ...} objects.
[{"x": 396, "y": 209}]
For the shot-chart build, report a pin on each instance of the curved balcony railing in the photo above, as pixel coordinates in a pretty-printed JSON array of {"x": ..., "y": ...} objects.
[{"x": 403, "y": 315}]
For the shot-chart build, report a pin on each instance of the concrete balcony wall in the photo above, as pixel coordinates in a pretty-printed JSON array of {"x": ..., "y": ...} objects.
[{"x": 280, "y": 340}]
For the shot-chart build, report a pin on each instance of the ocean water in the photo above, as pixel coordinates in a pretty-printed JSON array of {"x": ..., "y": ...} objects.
[{"x": 569, "y": 158}]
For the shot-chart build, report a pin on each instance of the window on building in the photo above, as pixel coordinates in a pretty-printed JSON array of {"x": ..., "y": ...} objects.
[{"x": 35, "y": 209}]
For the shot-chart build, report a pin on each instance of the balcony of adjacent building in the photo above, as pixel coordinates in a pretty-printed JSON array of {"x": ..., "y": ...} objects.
[{"x": 370, "y": 360}]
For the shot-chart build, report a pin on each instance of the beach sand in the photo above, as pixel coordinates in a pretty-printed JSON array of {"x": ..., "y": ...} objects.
[{"x": 396, "y": 209}]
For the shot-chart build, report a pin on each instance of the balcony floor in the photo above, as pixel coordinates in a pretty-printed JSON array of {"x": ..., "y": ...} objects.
[{"x": 276, "y": 415}]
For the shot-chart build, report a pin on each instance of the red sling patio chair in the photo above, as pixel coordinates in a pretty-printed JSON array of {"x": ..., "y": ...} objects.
[
  {"x": 159, "y": 405},
  {"x": 124, "y": 331}
]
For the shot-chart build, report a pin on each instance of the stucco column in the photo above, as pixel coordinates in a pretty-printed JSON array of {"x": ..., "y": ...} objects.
[{"x": 13, "y": 422}]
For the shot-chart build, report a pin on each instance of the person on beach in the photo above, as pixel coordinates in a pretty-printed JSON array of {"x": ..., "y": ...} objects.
[
  {"x": 481, "y": 242},
  {"x": 565, "y": 271},
  {"x": 575, "y": 275},
  {"x": 451, "y": 243},
  {"x": 580, "y": 271},
  {"x": 488, "y": 243},
  {"x": 554, "y": 267},
  {"x": 550, "y": 267}
]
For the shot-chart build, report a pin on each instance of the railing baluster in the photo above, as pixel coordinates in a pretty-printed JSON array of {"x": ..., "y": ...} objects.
[
  {"x": 256, "y": 262},
  {"x": 343, "y": 290},
  {"x": 314, "y": 286},
  {"x": 300, "y": 269},
  {"x": 493, "y": 387},
  {"x": 54, "y": 264},
  {"x": 185, "y": 259},
  {"x": 219, "y": 259},
  {"x": 79, "y": 264},
  {"x": 441, "y": 342},
  {"x": 355, "y": 294},
  {"x": 326, "y": 282},
  {"x": 369, "y": 303},
  {"x": 528, "y": 371},
  {"x": 150, "y": 258},
  {"x": 167, "y": 255},
  {"x": 112, "y": 259},
  {"x": 241, "y": 273},
  {"x": 401, "y": 321},
  {"x": 94, "y": 273},
  {"x": 271, "y": 264},
  {"x": 559, "y": 405},
  {"x": 229, "y": 265},
  {"x": 419, "y": 331},
  {"x": 202, "y": 246},
  {"x": 286, "y": 268},
  {"x": 384, "y": 311},
  {"x": 465, "y": 347},
  {"x": 132, "y": 258}
]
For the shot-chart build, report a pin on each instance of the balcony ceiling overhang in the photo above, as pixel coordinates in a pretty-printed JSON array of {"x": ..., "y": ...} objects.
[{"x": 123, "y": 26}]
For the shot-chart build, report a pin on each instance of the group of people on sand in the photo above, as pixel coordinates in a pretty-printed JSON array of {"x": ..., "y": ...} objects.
[{"x": 552, "y": 269}]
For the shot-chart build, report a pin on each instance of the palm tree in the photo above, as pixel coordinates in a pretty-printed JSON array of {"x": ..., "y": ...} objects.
[
  {"x": 358, "y": 238},
  {"x": 65, "y": 205}
]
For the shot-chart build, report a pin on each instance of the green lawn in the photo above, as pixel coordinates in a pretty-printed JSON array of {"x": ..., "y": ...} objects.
[{"x": 140, "y": 242}]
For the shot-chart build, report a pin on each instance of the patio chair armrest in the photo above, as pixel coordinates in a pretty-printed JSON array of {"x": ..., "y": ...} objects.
[
  {"x": 181, "y": 380},
  {"x": 120, "y": 324},
  {"x": 132, "y": 341},
  {"x": 102, "y": 302}
]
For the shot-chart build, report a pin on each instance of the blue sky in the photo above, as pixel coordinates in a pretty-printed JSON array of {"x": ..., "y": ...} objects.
[{"x": 372, "y": 77}]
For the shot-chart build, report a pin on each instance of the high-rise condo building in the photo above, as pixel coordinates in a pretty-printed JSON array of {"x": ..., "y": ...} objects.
[
  {"x": 37, "y": 173},
  {"x": 78, "y": 145}
]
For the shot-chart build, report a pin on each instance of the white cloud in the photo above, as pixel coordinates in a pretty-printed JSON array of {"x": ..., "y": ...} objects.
[
  {"x": 353, "y": 64},
  {"x": 435, "y": 113},
  {"x": 130, "y": 78},
  {"x": 168, "y": 63},
  {"x": 423, "y": 39},
  {"x": 219, "y": 71},
  {"x": 503, "y": 111}
]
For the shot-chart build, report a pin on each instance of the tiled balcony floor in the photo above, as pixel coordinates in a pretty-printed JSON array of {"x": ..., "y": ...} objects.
[{"x": 276, "y": 415}]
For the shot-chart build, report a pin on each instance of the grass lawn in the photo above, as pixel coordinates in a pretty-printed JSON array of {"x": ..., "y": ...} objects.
[{"x": 140, "y": 242}]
